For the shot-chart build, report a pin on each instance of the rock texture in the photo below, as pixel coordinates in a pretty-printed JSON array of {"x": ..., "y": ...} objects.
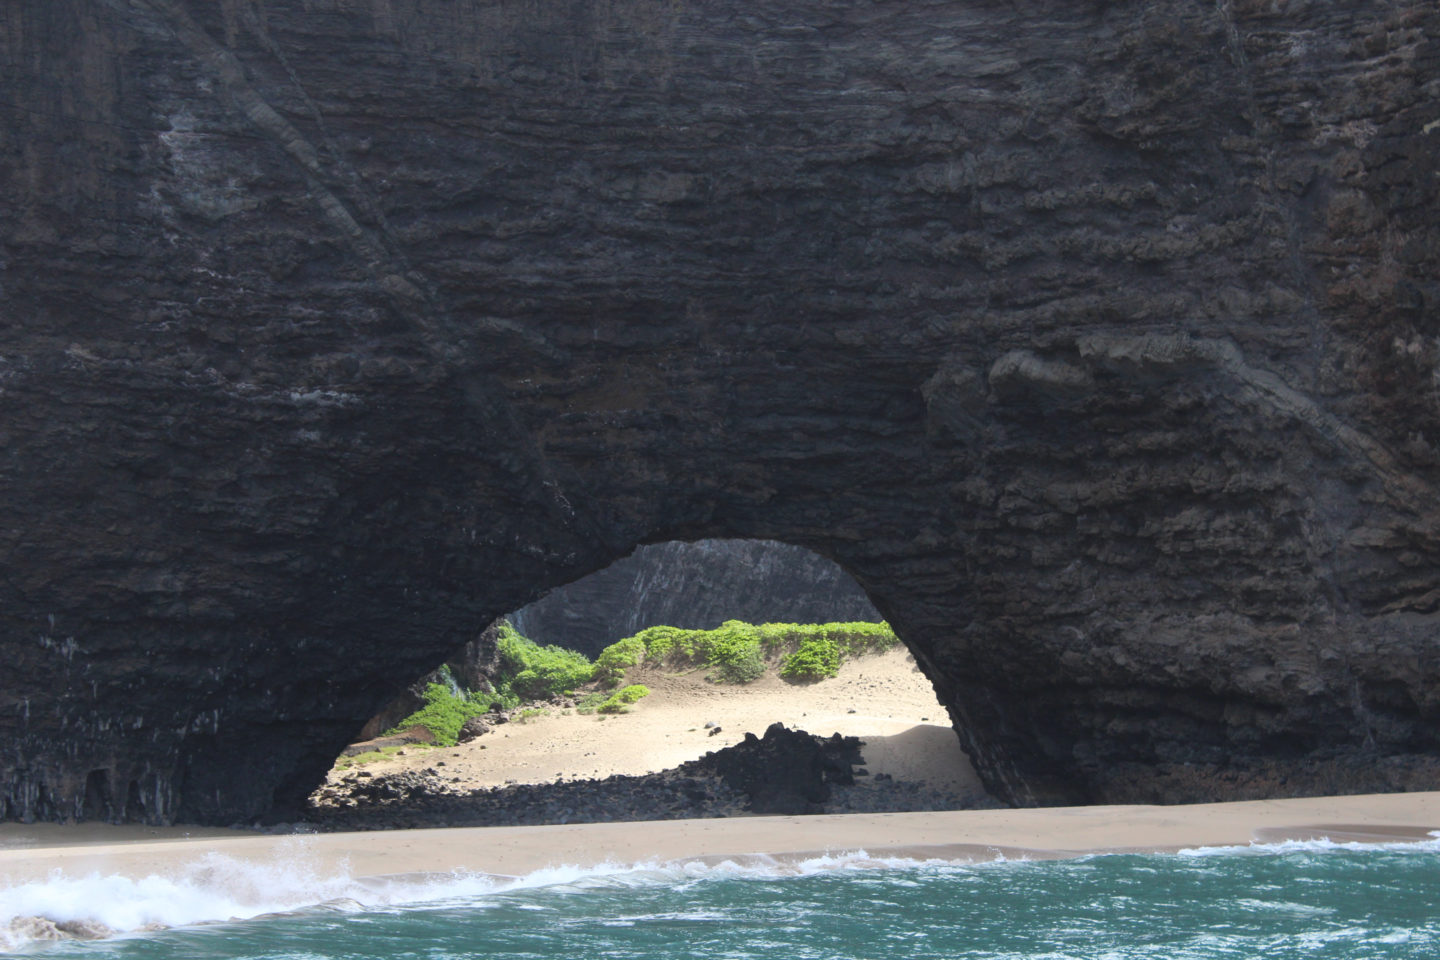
[
  {"x": 1096, "y": 340},
  {"x": 697, "y": 586},
  {"x": 786, "y": 772}
]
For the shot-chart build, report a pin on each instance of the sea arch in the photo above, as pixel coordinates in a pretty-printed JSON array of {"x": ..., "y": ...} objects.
[
  {"x": 1092, "y": 339},
  {"x": 882, "y": 698}
]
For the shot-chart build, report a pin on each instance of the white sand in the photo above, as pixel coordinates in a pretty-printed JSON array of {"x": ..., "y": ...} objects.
[{"x": 906, "y": 731}]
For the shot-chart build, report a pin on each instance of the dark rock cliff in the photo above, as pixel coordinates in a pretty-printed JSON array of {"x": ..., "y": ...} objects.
[
  {"x": 697, "y": 586},
  {"x": 1096, "y": 340}
]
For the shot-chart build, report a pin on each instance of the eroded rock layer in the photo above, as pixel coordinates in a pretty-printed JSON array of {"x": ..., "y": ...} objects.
[
  {"x": 697, "y": 586},
  {"x": 1097, "y": 340}
]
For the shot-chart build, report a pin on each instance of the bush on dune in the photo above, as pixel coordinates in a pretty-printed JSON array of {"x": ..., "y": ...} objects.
[
  {"x": 820, "y": 648},
  {"x": 663, "y": 642},
  {"x": 614, "y": 660},
  {"x": 621, "y": 699},
  {"x": 733, "y": 651},
  {"x": 816, "y": 659},
  {"x": 736, "y": 652}
]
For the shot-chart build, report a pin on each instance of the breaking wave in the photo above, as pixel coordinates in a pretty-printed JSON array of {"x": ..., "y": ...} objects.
[
  {"x": 215, "y": 889},
  {"x": 218, "y": 889}
]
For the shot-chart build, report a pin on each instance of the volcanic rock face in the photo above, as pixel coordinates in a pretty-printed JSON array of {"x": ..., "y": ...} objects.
[
  {"x": 1098, "y": 341},
  {"x": 697, "y": 586}
]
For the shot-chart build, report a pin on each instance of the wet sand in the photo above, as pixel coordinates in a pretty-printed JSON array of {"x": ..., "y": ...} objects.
[{"x": 34, "y": 852}]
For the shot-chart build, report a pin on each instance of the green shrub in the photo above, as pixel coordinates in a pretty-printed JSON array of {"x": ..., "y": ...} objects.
[
  {"x": 739, "y": 666},
  {"x": 443, "y": 715},
  {"x": 815, "y": 659},
  {"x": 591, "y": 702},
  {"x": 662, "y": 642},
  {"x": 529, "y": 671},
  {"x": 736, "y": 652},
  {"x": 859, "y": 638},
  {"x": 621, "y": 699},
  {"x": 614, "y": 660},
  {"x": 733, "y": 650}
]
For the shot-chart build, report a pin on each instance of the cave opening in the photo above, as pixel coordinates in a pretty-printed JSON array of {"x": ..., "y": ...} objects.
[
  {"x": 721, "y": 640},
  {"x": 97, "y": 804}
]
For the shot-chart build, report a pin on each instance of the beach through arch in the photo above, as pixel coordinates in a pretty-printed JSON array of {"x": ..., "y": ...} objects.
[{"x": 813, "y": 657}]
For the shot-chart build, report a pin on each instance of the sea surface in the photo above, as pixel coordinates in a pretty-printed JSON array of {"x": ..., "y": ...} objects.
[{"x": 1295, "y": 900}]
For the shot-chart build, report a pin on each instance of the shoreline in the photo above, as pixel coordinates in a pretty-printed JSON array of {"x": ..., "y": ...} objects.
[{"x": 30, "y": 853}]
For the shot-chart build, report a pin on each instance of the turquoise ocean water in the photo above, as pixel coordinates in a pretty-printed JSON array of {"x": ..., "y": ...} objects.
[{"x": 1300, "y": 900}]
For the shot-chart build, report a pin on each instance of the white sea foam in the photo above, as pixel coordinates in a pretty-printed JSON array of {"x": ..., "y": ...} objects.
[
  {"x": 1319, "y": 845},
  {"x": 215, "y": 888},
  {"x": 209, "y": 889}
]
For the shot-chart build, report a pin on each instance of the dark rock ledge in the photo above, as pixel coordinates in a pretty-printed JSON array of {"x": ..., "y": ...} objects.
[{"x": 784, "y": 772}]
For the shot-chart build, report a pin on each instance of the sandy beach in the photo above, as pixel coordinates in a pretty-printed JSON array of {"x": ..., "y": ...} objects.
[
  {"x": 28, "y": 853},
  {"x": 883, "y": 699}
]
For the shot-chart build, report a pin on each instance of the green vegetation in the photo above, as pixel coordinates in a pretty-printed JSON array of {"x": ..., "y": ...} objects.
[
  {"x": 815, "y": 659},
  {"x": 591, "y": 702},
  {"x": 443, "y": 714},
  {"x": 821, "y": 648},
  {"x": 614, "y": 660},
  {"x": 529, "y": 671},
  {"x": 732, "y": 650},
  {"x": 531, "y": 713},
  {"x": 621, "y": 699},
  {"x": 736, "y": 652}
]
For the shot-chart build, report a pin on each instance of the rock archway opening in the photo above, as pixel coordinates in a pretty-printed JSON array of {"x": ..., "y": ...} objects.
[{"x": 709, "y": 674}]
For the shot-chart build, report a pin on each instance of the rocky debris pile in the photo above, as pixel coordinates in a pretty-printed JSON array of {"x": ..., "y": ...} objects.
[
  {"x": 425, "y": 799},
  {"x": 784, "y": 772},
  {"x": 475, "y": 727},
  {"x": 408, "y": 786}
]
